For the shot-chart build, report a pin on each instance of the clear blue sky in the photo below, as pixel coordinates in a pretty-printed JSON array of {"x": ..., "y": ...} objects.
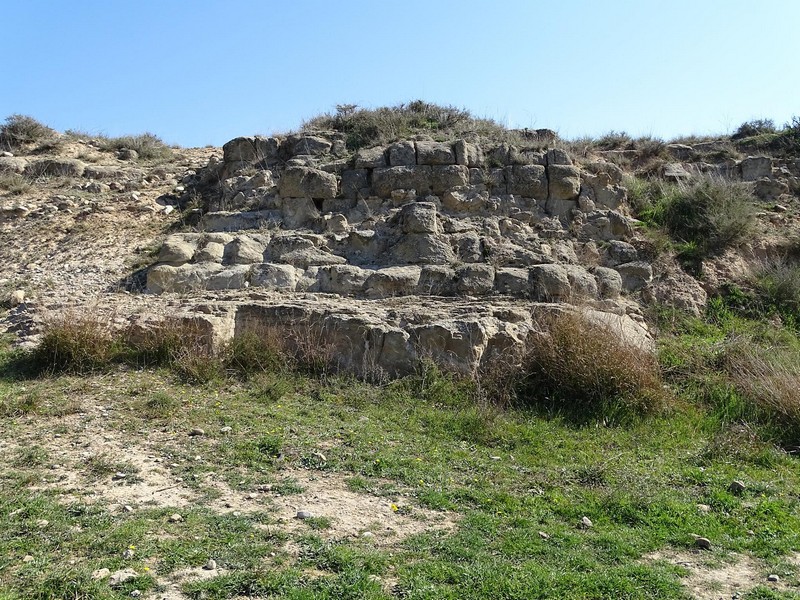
[{"x": 204, "y": 71}]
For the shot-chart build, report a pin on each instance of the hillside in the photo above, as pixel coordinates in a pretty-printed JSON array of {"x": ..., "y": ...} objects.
[{"x": 400, "y": 353}]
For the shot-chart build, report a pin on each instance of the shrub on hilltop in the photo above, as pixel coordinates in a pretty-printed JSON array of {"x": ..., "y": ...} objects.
[
  {"x": 19, "y": 131},
  {"x": 366, "y": 127}
]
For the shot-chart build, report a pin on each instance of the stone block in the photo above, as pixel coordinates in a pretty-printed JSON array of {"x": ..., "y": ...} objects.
[
  {"x": 305, "y": 182},
  {"x": 435, "y": 153},
  {"x": 529, "y": 181}
]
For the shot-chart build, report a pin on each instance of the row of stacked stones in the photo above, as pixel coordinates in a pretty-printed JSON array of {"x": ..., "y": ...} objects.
[{"x": 414, "y": 217}]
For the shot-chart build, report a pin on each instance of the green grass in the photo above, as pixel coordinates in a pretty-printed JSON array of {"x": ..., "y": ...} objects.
[{"x": 501, "y": 474}]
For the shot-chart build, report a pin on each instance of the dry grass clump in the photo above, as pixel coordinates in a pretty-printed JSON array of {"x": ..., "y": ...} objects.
[
  {"x": 20, "y": 131},
  {"x": 74, "y": 343},
  {"x": 147, "y": 145},
  {"x": 769, "y": 379},
  {"x": 14, "y": 183},
  {"x": 582, "y": 368},
  {"x": 366, "y": 127}
]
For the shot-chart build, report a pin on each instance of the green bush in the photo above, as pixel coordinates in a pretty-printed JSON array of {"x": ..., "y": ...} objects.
[
  {"x": 703, "y": 216},
  {"x": 777, "y": 285},
  {"x": 754, "y": 127},
  {"x": 19, "y": 131}
]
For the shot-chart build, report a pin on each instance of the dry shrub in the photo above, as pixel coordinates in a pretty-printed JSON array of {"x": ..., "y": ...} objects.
[
  {"x": 579, "y": 366},
  {"x": 274, "y": 347},
  {"x": 75, "y": 343},
  {"x": 769, "y": 379},
  {"x": 19, "y": 131},
  {"x": 185, "y": 345}
]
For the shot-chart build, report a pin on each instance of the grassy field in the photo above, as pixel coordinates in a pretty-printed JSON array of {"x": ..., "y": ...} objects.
[{"x": 415, "y": 489}]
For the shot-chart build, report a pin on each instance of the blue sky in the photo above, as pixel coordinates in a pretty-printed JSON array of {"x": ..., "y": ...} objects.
[{"x": 204, "y": 71}]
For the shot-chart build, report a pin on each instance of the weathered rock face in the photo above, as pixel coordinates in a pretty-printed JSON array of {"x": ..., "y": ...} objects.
[{"x": 402, "y": 224}]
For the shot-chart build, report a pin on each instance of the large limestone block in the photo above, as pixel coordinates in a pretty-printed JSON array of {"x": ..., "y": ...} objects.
[
  {"x": 12, "y": 164},
  {"x": 234, "y": 277},
  {"x": 447, "y": 177},
  {"x": 550, "y": 283},
  {"x": 342, "y": 279},
  {"x": 299, "y": 212},
  {"x": 181, "y": 279},
  {"x": 475, "y": 280},
  {"x": 210, "y": 252},
  {"x": 419, "y": 217},
  {"x": 466, "y": 200},
  {"x": 176, "y": 250},
  {"x": 609, "y": 282},
  {"x": 250, "y": 149},
  {"x": 244, "y": 250},
  {"x": 392, "y": 281},
  {"x": 305, "y": 182},
  {"x": 456, "y": 345},
  {"x": 557, "y": 156},
  {"x": 529, "y": 181},
  {"x": 606, "y": 225},
  {"x": 468, "y": 154},
  {"x": 512, "y": 281},
  {"x": 423, "y": 248},
  {"x": 468, "y": 247},
  {"x": 55, "y": 167},
  {"x": 635, "y": 275},
  {"x": 628, "y": 330},
  {"x": 435, "y": 153},
  {"x": 310, "y": 145},
  {"x": 370, "y": 158},
  {"x": 436, "y": 280},
  {"x": 755, "y": 167},
  {"x": 526, "y": 156},
  {"x": 564, "y": 182},
  {"x": 402, "y": 154},
  {"x": 388, "y": 179},
  {"x": 582, "y": 283},
  {"x": 274, "y": 276},
  {"x": 355, "y": 182}
]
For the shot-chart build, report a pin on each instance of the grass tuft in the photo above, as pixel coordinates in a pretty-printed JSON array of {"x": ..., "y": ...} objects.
[{"x": 147, "y": 145}]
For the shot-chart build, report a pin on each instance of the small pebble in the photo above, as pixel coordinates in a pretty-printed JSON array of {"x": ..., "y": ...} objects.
[
  {"x": 304, "y": 514},
  {"x": 127, "y": 508},
  {"x": 226, "y": 429},
  {"x": 175, "y": 518},
  {"x": 42, "y": 523},
  {"x": 252, "y": 496},
  {"x": 704, "y": 508},
  {"x": 197, "y": 431},
  {"x": 136, "y": 593},
  {"x": 100, "y": 574},
  {"x": 544, "y": 536},
  {"x": 119, "y": 475},
  {"x": 211, "y": 565},
  {"x": 27, "y": 558},
  {"x": 586, "y": 523},
  {"x": 128, "y": 554},
  {"x": 773, "y": 578},
  {"x": 495, "y": 457},
  {"x": 368, "y": 535}
]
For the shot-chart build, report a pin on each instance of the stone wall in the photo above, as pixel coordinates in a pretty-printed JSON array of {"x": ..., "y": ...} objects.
[{"x": 417, "y": 217}]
